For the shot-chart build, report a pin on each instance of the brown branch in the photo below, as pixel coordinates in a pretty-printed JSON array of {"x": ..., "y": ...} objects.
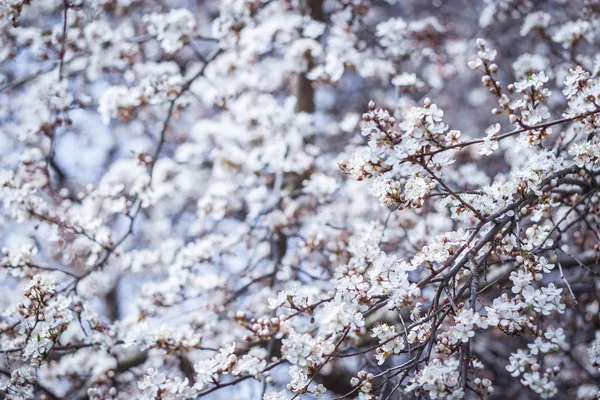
[{"x": 63, "y": 48}]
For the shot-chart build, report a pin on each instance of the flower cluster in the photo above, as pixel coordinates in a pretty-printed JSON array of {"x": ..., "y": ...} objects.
[
  {"x": 173, "y": 30},
  {"x": 391, "y": 342}
]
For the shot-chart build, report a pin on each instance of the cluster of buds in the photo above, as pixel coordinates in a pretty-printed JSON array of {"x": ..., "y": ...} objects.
[
  {"x": 443, "y": 344},
  {"x": 261, "y": 328},
  {"x": 39, "y": 294},
  {"x": 379, "y": 126},
  {"x": 98, "y": 393},
  {"x": 365, "y": 380},
  {"x": 524, "y": 111},
  {"x": 483, "y": 387},
  {"x": 485, "y": 63}
]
